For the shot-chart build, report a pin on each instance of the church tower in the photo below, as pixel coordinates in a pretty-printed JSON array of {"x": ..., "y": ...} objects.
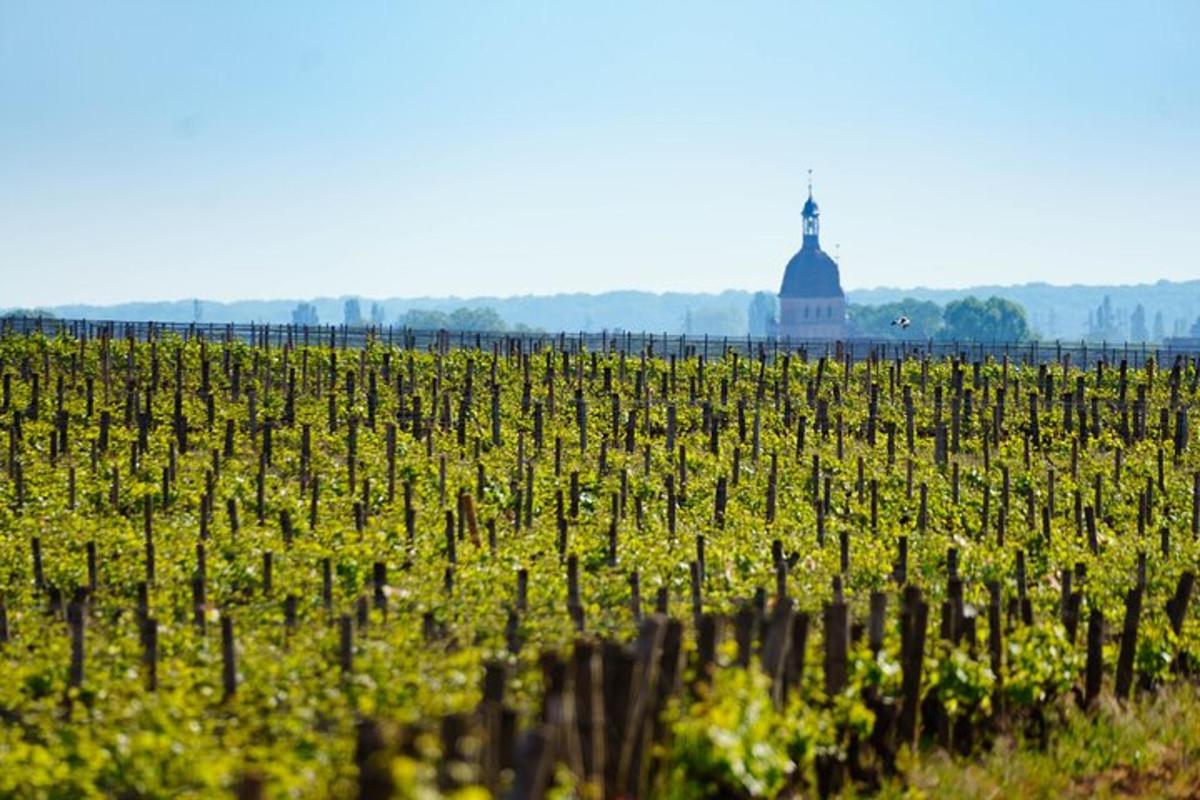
[{"x": 812, "y": 304}]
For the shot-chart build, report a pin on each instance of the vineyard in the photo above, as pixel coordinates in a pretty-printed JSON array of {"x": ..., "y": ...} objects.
[{"x": 286, "y": 568}]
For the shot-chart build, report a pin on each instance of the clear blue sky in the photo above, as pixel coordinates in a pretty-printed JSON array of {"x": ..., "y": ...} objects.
[{"x": 291, "y": 149}]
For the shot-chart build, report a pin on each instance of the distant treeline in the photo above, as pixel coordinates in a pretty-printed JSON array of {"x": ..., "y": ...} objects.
[
  {"x": 1148, "y": 312},
  {"x": 1138, "y": 312},
  {"x": 969, "y": 319},
  {"x": 460, "y": 319}
]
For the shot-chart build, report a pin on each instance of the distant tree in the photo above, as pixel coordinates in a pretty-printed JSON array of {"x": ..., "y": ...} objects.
[
  {"x": 422, "y": 319},
  {"x": 353, "y": 312},
  {"x": 305, "y": 314},
  {"x": 461, "y": 319},
  {"x": 994, "y": 319},
  {"x": 964, "y": 319},
  {"x": 476, "y": 319},
  {"x": 1104, "y": 323},
  {"x": 761, "y": 314},
  {"x": 1008, "y": 320},
  {"x": 1137, "y": 325},
  {"x": 1160, "y": 328},
  {"x": 28, "y": 313},
  {"x": 875, "y": 322},
  {"x": 197, "y": 311},
  {"x": 377, "y": 314}
]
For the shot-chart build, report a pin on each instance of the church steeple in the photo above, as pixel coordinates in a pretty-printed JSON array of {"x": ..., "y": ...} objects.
[
  {"x": 812, "y": 219},
  {"x": 812, "y": 305}
]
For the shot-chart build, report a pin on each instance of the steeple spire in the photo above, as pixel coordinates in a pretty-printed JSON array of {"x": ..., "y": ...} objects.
[{"x": 812, "y": 221}]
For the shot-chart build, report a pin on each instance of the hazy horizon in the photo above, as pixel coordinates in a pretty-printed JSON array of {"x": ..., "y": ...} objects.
[
  {"x": 163, "y": 151},
  {"x": 899, "y": 291}
]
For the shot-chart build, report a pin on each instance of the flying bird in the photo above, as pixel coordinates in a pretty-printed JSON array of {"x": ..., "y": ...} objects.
[{"x": 902, "y": 321}]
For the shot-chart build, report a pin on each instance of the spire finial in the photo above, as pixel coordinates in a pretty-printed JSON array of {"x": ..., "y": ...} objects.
[{"x": 810, "y": 183}]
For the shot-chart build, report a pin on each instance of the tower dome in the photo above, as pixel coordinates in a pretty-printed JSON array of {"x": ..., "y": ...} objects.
[
  {"x": 812, "y": 303},
  {"x": 811, "y": 273}
]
